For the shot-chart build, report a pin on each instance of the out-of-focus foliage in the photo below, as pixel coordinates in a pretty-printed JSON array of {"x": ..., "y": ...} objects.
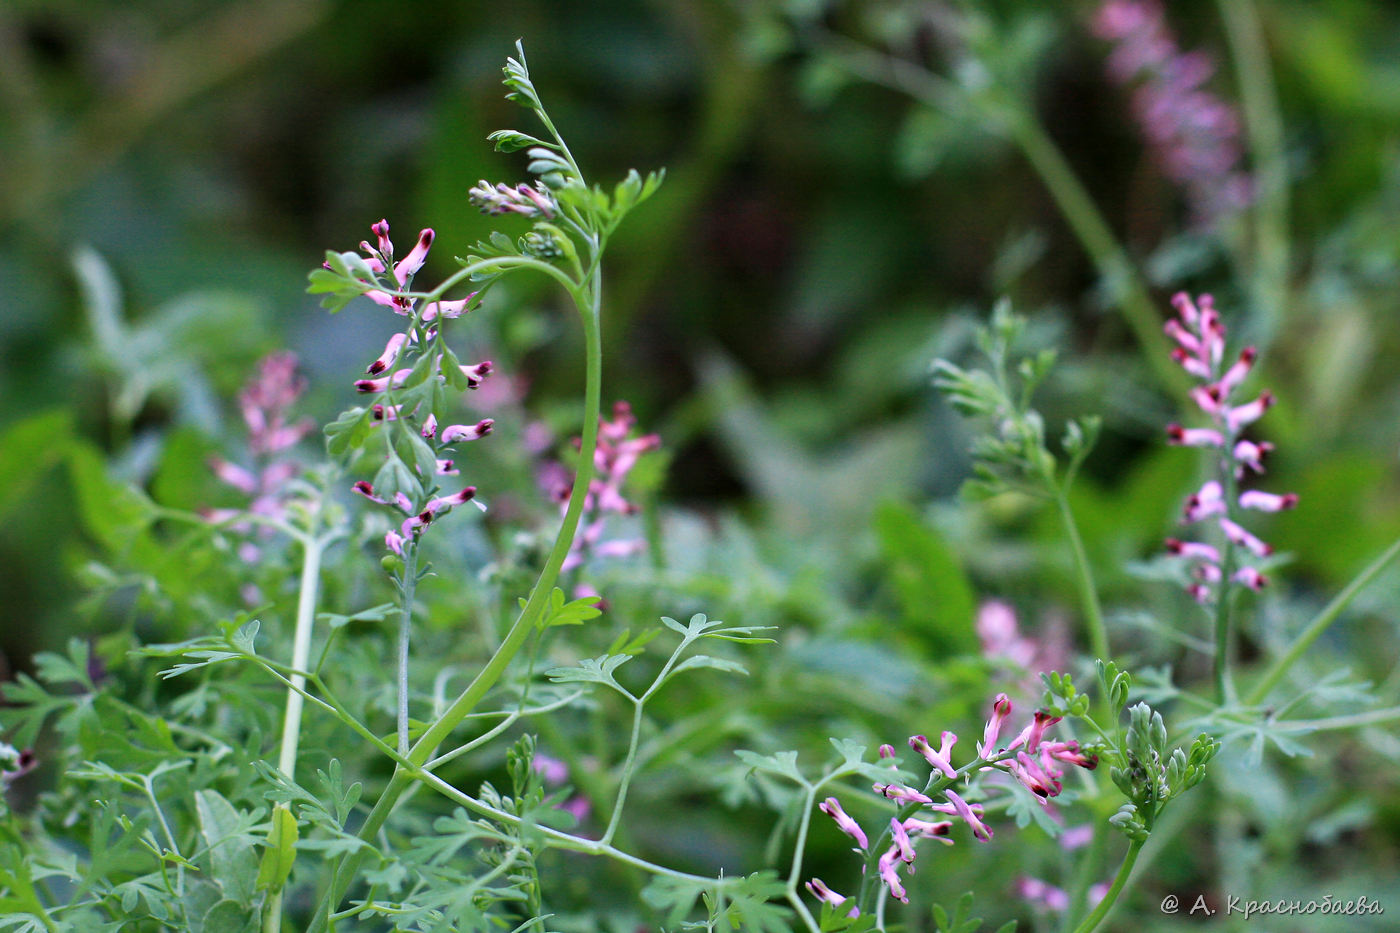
[{"x": 169, "y": 170}]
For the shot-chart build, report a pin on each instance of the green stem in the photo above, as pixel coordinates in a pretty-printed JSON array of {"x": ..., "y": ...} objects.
[
  {"x": 1084, "y": 579},
  {"x": 312, "y": 549},
  {"x": 1320, "y": 624},
  {"x": 1119, "y": 882},
  {"x": 1097, "y": 238},
  {"x": 407, "y": 589},
  {"x": 1264, "y": 125},
  {"x": 1069, "y": 194},
  {"x": 529, "y": 617},
  {"x": 625, "y": 782}
]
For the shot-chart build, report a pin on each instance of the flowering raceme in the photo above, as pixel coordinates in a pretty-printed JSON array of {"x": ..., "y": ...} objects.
[
  {"x": 1030, "y": 758},
  {"x": 1194, "y": 134},
  {"x": 613, "y": 459},
  {"x": 265, "y": 402},
  {"x": 1200, "y": 350},
  {"x": 422, "y": 338}
]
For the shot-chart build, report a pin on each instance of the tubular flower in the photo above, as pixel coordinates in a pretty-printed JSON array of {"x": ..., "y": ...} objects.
[
  {"x": 1031, "y": 758},
  {"x": 832, "y": 808},
  {"x": 1200, "y": 336},
  {"x": 822, "y": 893}
]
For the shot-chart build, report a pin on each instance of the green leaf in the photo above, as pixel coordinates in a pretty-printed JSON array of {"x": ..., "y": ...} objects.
[
  {"x": 591, "y": 670},
  {"x": 574, "y": 612},
  {"x": 224, "y": 830},
  {"x": 927, "y": 578},
  {"x": 514, "y": 141},
  {"x": 280, "y": 852},
  {"x": 702, "y": 660},
  {"x": 375, "y": 614},
  {"x": 783, "y": 764},
  {"x": 229, "y": 916},
  {"x": 27, "y": 449}
]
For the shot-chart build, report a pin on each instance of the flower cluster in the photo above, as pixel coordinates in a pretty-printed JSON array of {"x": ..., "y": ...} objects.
[
  {"x": 501, "y": 198},
  {"x": 385, "y": 375},
  {"x": 1030, "y": 758},
  {"x": 379, "y": 256},
  {"x": 265, "y": 402},
  {"x": 1195, "y": 134},
  {"x": 614, "y": 457},
  {"x": 1200, "y": 350}
]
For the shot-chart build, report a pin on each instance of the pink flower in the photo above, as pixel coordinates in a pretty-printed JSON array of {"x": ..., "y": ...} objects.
[
  {"x": 1193, "y": 134},
  {"x": 1238, "y": 535},
  {"x": 1041, "y": 894},
  {"x": 1001, "y": 708},
  {"x": 1267, "y": 501},
  {"x": 616, "y": 453},
  {"x": 901, "y": 793},
  {"x": 821, "y": 892},
  {"x": 391, "y": 353},
  {"x": 1193, "y": 550},
  {"x": 889, "y": 874},
  {"x": 1209, "y": 501},
  {"x": 1201, "y": 339},
  {"x": 1031, "y": 735},
  {"x": 980, "y": 830},
  {"x": 463, "y": 432},
  {"x": 938, "y": 759},
  {"x": 1194, "y": 437},
  {"x": 832, "y": 808}
]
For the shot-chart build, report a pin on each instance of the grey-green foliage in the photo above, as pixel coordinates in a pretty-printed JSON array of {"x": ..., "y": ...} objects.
[
  {"x": 1142, "y": 763},
  {"x": 1012, "y": 452}
]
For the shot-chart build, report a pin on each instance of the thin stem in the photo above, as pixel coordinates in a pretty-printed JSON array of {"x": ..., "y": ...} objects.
[
  {"x": 1320, "y": 624},
  {"x": 301, "y": 654},
  {"x": 625, "y": 782},
  {"x": 1264, "y": 125},
  {"x": 1084, "y": 579},
  {"x": 407, "y": 589},
  {"x": 1119, "y": 882},
  {"x": 1095, "y": 235}
]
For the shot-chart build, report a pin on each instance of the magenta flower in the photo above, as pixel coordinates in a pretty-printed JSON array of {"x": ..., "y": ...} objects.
[
  {"x": 832, "y": 808},
  {"x": 265, "y": 403},
  {"x": 821, "y": 892},
  {"x": 1200, "y": 336},
  {"x": 938, "y": 759},
  {"x": 889, "y": 874},
  {"x": 1001, "y": 708},
  {"x": 616, "y": 453}
]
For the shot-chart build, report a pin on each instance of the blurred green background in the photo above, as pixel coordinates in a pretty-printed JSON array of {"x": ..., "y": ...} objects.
[
  {"x": 773, "y": 312},
  {"x": 170, "y": 171}
]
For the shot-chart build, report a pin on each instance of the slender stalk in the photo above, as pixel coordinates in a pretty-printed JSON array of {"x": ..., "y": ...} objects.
[
  {"x": 625, "y": 783},
  {"x": 311, "y": 553},
  {"x": 1320, "y": 624},
  {"x": 1119, "y": 882},
  {"x": 1097, "y": 238},
  {"x": 1084, "y": 579},
  {"x": 1264, "y": 126},
  {"x": 407, "y": 590}
]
